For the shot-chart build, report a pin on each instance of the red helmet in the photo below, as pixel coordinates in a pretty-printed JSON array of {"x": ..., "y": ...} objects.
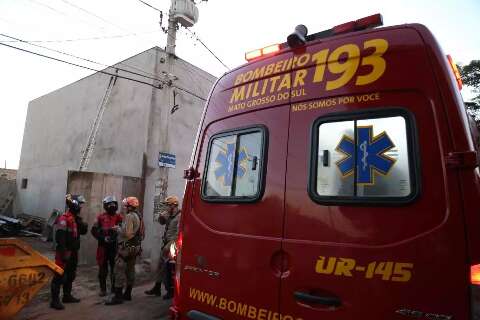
[{"x": 131, "y": 202}]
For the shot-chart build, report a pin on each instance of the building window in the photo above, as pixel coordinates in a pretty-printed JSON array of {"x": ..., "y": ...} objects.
[
  {"x": 365, "y": 158},
  {"x": 235, "y": 165},
  {"x": 24, "y": 183}
]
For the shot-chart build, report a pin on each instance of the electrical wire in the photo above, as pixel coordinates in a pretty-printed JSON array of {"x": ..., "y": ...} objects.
[
  {"x": 196, "y": 73},
  {"x": 189, "y": 92},
  {"x": 93, "y": 15},
  {"x": 148, "y": 4},
  {"x": 100, "y": 71},
  {"x": 64, "y": 14},
  {"x": 193, "y": 33},
  {"x": 84, "y": 59},
  {"x": 51, "y": 8},
  {"x": 203, "y": 44},
  {"x": 87, "y": 12},
  {"x": 85, "y": 39}
]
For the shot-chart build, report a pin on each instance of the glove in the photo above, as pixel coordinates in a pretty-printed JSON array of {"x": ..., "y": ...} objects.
[
  {"x": 162, "y": 219},
  {"x": 82, "y": 226}
]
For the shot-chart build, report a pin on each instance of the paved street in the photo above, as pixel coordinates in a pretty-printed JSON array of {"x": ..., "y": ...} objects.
[
  {"x": 91, "y": 307},
  {"x": 86, "y": 287}
]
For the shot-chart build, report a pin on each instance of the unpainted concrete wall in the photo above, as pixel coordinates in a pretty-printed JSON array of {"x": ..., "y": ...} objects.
[
  {"x": 137, "y": 125},
  {"x": 57, "y": 128}
]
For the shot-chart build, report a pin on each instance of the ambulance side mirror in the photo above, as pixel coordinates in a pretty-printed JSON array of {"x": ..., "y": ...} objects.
[{"x": 190, "y": 174}]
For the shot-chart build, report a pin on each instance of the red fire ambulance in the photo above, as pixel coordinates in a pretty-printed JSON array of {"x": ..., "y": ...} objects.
[{"x": 334, "y": 177}]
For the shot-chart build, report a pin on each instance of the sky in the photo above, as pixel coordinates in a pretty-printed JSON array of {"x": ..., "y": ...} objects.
[{"x": 108, "y": 31}]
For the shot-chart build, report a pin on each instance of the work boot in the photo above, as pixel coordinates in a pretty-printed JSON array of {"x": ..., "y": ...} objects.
[
  {"x": 56, "y": 304},
  {"x": 70, "y": 299},
  {"x": 55, "y": 296},
  {"x": 156, "y": 290},
  {"x": 103, "y": 288},
  {"x": 127, "y": 295},
  {"x": 116, "y": 298},
  {"x": 67, "y": 294},
  {"x": 112, "y": 284},
  {"x": 168, "y": 295}
]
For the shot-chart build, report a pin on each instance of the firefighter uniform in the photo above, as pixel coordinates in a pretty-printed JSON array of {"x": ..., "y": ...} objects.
[
  {"x": 170, "y": 219},
  {"x": 103, "y": 230},
  {"x": 129, "y": 247},
  {"x": 69, "y": 227}
]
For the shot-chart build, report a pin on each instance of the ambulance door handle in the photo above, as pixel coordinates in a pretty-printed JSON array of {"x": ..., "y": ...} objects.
[
  {"x": 314, "y": 299},
  {"x": 326, "y": 158}
]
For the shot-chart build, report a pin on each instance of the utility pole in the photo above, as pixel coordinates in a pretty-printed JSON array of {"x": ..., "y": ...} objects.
[
  {"x": 155, "y": 176},
  {"x": 170, "y": 49},
  {"x": 185, "y": 13},
  {"x": 172, "y": 30}
]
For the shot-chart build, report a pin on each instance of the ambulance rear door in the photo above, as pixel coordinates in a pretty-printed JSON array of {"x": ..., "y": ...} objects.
[
  {"x": 231, "y": 256},
  {"x": 373, "y": 223}
]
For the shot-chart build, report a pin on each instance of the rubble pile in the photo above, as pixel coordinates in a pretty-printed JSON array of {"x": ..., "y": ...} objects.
[{"x": 23, "y": 225}]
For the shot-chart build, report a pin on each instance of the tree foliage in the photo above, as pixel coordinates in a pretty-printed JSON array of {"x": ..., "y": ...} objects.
[{"x": 471, "y": 77}]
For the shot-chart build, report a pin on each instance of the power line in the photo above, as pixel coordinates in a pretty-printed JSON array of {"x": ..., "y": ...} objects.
[
  {"x": 193, "y": 34},
  {"x": 84, "y": 59},
  {"x": 148, "y": 4},
  {"x": 51, "y": 8},
  {"x": 189, "y": 92},
  {"x": 33, "y": 43},
  {"x": 77, "y": 65},
  {"x": 91, "y": 61},
  {"x": 62, "y": 13},
  {"x": 199, "y": 40},
  {"x": 93, "y": 14},
  {"x": 96, "y": 70},
  {"x": 85, "y": 39}
]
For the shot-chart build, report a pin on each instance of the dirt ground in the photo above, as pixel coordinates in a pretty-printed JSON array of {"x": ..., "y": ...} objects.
[{"x": 92, "y": 306}]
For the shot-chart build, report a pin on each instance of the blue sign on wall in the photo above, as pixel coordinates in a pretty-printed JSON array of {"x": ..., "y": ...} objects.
[{"x": 167, "y": 160}]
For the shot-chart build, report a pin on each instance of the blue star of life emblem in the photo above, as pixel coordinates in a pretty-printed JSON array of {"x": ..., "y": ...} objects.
[
  {"x": 225, "y": 159},
  {"x": 370, "y": 152}
]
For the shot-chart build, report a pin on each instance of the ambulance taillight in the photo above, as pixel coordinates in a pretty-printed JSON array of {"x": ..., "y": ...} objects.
[
  {"x": 475, "y": 291},
  {"x": 176, "y": 250},
  {"x": 455, "y": 71},
  {"x": 178, "y": 262}
]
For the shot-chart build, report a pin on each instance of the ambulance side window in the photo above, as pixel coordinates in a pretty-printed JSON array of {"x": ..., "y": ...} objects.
[
  {"x": 234, "y": 170},
  {"x": 364, "y": 158}
]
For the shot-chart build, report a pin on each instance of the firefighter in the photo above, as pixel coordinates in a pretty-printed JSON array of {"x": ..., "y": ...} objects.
[
  {"x": 129, "y": 247},
  {"x": 69, "y": 227},
  {"x": 104, "y": 231},
  {"x": 170, "y": 218}
]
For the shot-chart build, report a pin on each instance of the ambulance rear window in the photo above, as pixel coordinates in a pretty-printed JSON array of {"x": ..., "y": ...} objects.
[
  {"x": 363, "y": 158},
  {"x": 235, "y": 166}
]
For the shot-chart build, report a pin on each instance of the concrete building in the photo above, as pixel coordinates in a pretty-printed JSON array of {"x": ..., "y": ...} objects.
[
  {"x": 7, "y": 190},
  {"x": 9, "y": 174},
  {"x": 131, "y": 123}
]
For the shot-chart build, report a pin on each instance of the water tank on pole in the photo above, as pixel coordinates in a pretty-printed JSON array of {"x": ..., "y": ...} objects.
[{"x": 185, "y": 12}]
